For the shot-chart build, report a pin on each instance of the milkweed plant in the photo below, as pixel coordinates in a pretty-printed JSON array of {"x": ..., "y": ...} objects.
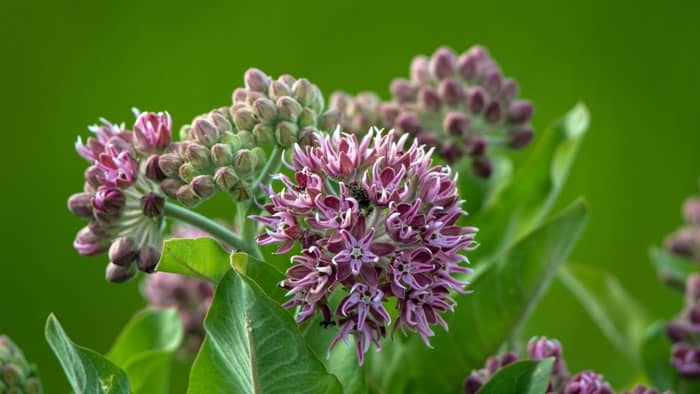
[{"x": 376, "y": 242}]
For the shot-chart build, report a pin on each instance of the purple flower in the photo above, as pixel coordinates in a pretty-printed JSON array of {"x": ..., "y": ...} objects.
[
  {"x": 642, "y": 389},
  {"x": 152, "y": 132},
  {"x": 587, "y": 382},
  {"x": 542, "y": 348},
  {"x": 377, "y": 220},
  {"x": 105, "y": 133},
  {"x": 686, "y": 359}
]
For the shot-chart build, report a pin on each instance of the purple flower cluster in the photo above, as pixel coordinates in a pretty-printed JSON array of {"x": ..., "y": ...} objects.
[
  {"x": 123, "y": 206},
  {"x": 376, "y": 219},
  {"x": 460, "y": 104},
  {"x": 685, "y": 242},
  {"x": 684, "y": 332}
]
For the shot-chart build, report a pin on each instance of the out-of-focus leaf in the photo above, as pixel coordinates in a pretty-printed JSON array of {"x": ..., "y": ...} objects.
[
  {"x": 671, "y": 269},
  {"x": 87, "y": 371},
  {"x": 618, "y": 315},
  {"x": 522, "y": 205},
  {"x": 254, "y": 346},
  {"x": 504, "y": 297},
  {"x": 656, "y": 358},
  {"x": 145, "y": 348},
  {"x": 523, "y": 377},
  {"x": 202, "y": 258}
]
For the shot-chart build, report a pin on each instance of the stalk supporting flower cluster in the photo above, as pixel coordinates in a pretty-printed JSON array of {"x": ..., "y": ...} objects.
[
  {"x": 376, "y": 220},
  {"x": 461, "y": 104},
  {"x": 684, "y": 332},
  {"x": 16, "y": 374}
]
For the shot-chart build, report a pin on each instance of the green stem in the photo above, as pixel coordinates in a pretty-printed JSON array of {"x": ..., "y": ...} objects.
[
  {"x": 272, "y": 166},
  {"x": 215, "y": 229}
]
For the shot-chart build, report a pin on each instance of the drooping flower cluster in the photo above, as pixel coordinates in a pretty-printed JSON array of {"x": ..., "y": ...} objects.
[
  {"x": 684, "y": 332},
  {"x": 16, "y": 374},
  {"x": 224, "y": 149},
  {"x": 685, "y": 242},
  {"x": 461, "y": 104},
  {"x": 124, "y": 207},
  {"x": 376, "y": 219}
]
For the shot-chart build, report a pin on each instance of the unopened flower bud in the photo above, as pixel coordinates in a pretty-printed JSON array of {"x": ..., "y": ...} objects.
[
  {"x": 260, "y": 157},
  {"x": 303, "y": 91},
  {"x": 677, "y": 331},
  {"x": 122, "y": 251},
  {"x": 256, "y": 80},
  {"x": 170, "y": 186},
  {"x": 170, "y": 164},
  {"x": 198, "y": 156},
  {"x": 221, "y": 154},
  {"x": 12, "y": 375},
  {"x": 587, "y": 382},
  {"x": 451, "y": 92},
  {"x": 520, "y": 112},
  {"x": 80, "y": 204},
  {"x": 118, "y": 273},
  {"x": 92, "y": 176},
  {"x": 456, "y": 123},
  {"x": 225, "y": 178},
  {"x": 289, "y": 108},
  {"x": 306, "y": 136},
  {"x": 493, "y": 112},
  {"x": 388, "y": 112},
  {"x": 420, "y": 70},
  {"x": 286, "y": 133},
  {"x": 428, "y": 99},
  {"x": 686, "y": 359},
  {"x": 443, "y": 63},
  {"x": 153, "y": 171},
  {"x": 476, "y": 145},
  {"x": 510, "y": 89},
  {"x": 482, "y": 167},
  {"x": 204, "y": 132},
  {"x": 220, "y": 121},
  {"x": 244, "y": 119},
  {"x": 403, "y": 91},
  {"x": 409, "y": 122},
  {"x": 187, "y": 172},
  {"x": 203, "y": 186},
  {"x": 279, "y": 89},
  {"x": 681, "y": 242},
  {"x": 187, "y": 196},
  {"x": 264, "y": 134},
  {"x": 241, "y": 192},
  {"x": 467, "y": 65},
  {"x": 473, "y": 383},
  {"x": 239, "y": 95},
  {"x": 108, "y": 202},
  {"x": 148, "y": 259},
  {"x": 16, "y": 374},
  {"x": 691, "y": 211},
  {"x": 244, "y": 161},
  {"x": 265, "y": 109},
  {"x": 520, "y": 138},
  {"x": 493, "y": 80},
  {"x": 329, "y": 120},
  {"x": 450, "y": 151},
  {"x": 692, "y": 288},
  {"x": 152, "y": 205},
  {"x": 476, "y": 99}
]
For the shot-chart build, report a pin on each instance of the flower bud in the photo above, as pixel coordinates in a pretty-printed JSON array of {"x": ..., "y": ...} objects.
[
  {"x": 443, "y": 63},
  {"x": 681, "y": 242},
  {"x": 677, "y": 331},
  {"x": 244, "y": 161},
  {"x": 420, "y": 70},
  {"x": 187, "y": 196},
  {"x": 289, "y": 108},
  {"x": 510, "y": 89},
  {"x": 244, "y": 119},
  {"x": 170, "y": 186},
  {"x": 220, "y": 121},
  {"x": 153, "y": 171},
  {"x": 403, "y": 91},
  {"x": 148, "y": 259},
  {"x": 451, "y": 92},
  {"x": 450, "y": 152},
  {"x": 482, "y": 167},
  {"x": 493, "y": 112},
  {"x": 152, "y": 205},
  {"x": 264, "y": 134},
  {"x": 476, "y": 99},
  {"x": 329, "y": 120},
  {"x": 409, "y": 122},
  {"x": 493, "y": 80},
  {"x": 520, "y": 112},
  {"x": 456, "y": 123},
  {"x": 197, "y": 155},
  {"x": 340, "y": 101},
  {"x": 80, "y": 205},
  {"x": 260, "y": 157},
  {"x": 12, "y": 375},
  {"x": 428, "y": 99},
  {"x": 119, "y": 274},
  {"x": 691, "y": 211},
  {"x": 306, "y": 136},
  {"x": 122, "y": 251},
  {"x": 286, "y": 133},
  {"x": 388, "y": 112},
  {"x": 476, "y": 145},
  {"x": 187, "y": 172},
  {"x": 204, "y": 132},
  {"x": 686, "y": 359},
  {"x": 225, "y": 178},
  {"x": 241, "y": 192},
  {"x": 521, "y": 137},
  {"x": 203, "y": 186},
  {"x": 303, "y": 91},
  {"x": 467, "y": 65},
  {"x": 265, "y": 109},
  {"x": 16, "y": 374},
  {"x": 307, "y": 117},
  {"x": 152, "y": 132},
  {"x": 170, "y": 164},
  {"x": 279, "y": 89},
  {"x": 108, "y": 202},
  {"x": 256, "y": 80},
  {"x": 692, "y": 289},
  {"x": 221, "y": 154}
]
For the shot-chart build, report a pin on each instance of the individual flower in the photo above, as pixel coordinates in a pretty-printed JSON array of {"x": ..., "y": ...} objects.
[
  {"x": 588, "y": 382},
  {"x": 124, "y": 207},
  {"x": 460, "y": 104},
  {"x": 16, "y": 374},
  {"x": 374, "y": 218}
]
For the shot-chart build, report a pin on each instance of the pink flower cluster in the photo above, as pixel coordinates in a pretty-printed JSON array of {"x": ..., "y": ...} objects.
[{"x": 374, "y": 218}]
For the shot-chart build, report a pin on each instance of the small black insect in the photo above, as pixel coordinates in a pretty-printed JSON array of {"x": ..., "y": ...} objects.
[{"x": 359, "y": 194}]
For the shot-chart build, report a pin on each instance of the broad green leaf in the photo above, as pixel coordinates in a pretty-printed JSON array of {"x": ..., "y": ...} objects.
[
  {"x": 202, "y": 258},
  {"x": 86, "y": 370},
  {"x": 620, "y": 317},
  {"x": 523, "y": 377},
  {"x": 145, "y": 349},
  {"x": 262, "y": 273},
  {"x": 504, "y": 297},
  {"x": 656, "y": 358},
  {"x": 254, "y": 346},
  {"x": 522, "y": 205},
  {"x": 671, "y": 269}
]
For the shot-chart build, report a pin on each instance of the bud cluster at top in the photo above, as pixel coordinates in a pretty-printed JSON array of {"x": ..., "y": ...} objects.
[
  {"x": 375, "y": 219},
  {"x": 224, "y": 149},
  {"x": 16, "y": 374},
  {"x": 461, "y": 104},
  {"x": 684, "y": 332},
  {"x": 685, "y": 242},
  {"x": 123, "y": 206}
]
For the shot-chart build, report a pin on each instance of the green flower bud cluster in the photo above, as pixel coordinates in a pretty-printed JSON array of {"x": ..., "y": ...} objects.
[
  {"x": 282, "y": 111},
  {"x": 211, "y": 155},
  {"x": 17, "y": 376},
  {"x": 358, "y": 113}
]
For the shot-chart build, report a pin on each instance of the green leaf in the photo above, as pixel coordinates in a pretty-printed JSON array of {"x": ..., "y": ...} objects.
[
  {"x": 86, "y": 370},
  {"x": 202, "y": 258},
  {"x": 521, "y": 206},
  {"x": 254, "y": 346},
  {"x": 523, "y": 377},
  {"x": 145, "y": 349},
  {"x": 262, "y": 273},
  {"x": 504, "y": 297},
  {"x": 656, "y": 356},
  {"x": 671, "y": 269},
  {"x": 618, "y": 315}
]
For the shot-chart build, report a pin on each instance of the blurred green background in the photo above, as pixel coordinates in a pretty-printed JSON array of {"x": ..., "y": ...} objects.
[{"x": 64, "y": 64}]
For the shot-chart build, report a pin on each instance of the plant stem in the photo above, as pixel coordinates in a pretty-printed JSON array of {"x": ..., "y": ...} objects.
[
  {"x": 215, "y": 229},
  {"x": 272, "y": 166}
]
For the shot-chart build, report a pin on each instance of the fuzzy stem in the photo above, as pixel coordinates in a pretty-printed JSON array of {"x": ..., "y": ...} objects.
[{"x": 215, "y": 229}]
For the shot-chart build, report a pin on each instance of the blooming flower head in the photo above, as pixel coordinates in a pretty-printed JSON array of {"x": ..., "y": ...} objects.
[
  {"x": 123, "y": 206},
  {"x": 374, "y": 218},
  {"x": 16, "y": 374}
]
